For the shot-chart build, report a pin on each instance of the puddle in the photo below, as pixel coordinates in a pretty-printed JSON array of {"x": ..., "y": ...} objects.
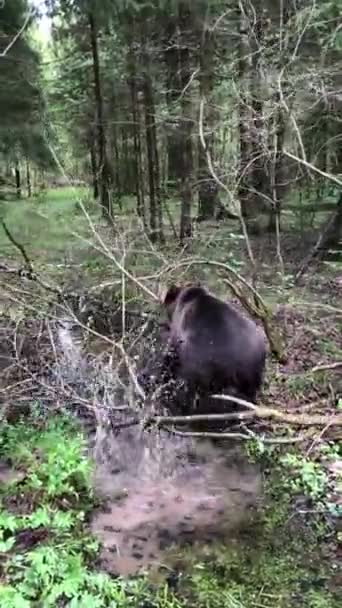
[
  {"x": 173, "y": 495},
  {"x": 159, "y": 490}
]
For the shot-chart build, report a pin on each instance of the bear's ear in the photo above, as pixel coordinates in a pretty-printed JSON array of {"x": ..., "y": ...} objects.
[{"x": 170, "y": 295}]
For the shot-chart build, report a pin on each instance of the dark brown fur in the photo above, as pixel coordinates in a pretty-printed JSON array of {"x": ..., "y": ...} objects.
[
  {"x": 217, "y": 347},
  {"x": 212, "y": 347}
]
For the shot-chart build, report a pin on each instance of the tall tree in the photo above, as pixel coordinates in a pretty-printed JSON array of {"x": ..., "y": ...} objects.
[
  {"x": 22, "y": 108},
  {"x": 104, "y": 169},
  {"x": 79, "y": 29},
  {"x": 185, "y": 23}
]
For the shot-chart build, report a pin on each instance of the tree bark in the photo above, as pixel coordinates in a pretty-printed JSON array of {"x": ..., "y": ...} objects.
[
  {"x": 208, "y": 189},
  {"x": 252, "y": 174},
  {"x": 139, "y": 186},
  {"x": 28, "y": 179},
  {"x": 93, "y": 165},
  {"x": 153, "y": 161},
  {"x": 173, "y": 90},
  {"x": 17, "y": 179},
  {"x": 185, "y": 22},
  {"x": 104, "y": 170}
]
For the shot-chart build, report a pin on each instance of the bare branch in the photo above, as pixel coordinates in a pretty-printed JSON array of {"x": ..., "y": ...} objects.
[
  {"x": 98, "y": 237},
  {"x": 241, "y": 436},
  {"x": 329, "y": 176},
  {"x": 237, "y": 207},
  {"x": 257, "y": 411},
  {"x": 17, "y": 245},
  {"x": 31, "y": 274},
  {"x": 17, "y": 36},
  {"x": 329, "y": 367}
]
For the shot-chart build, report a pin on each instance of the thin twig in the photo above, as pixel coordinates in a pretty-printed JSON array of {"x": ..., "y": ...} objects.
[{"x": 240, "y": 436}]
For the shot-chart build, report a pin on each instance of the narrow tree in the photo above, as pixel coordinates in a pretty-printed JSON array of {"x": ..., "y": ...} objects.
[
  {"x": 104, "y": 169},
  {"x": 207, "y": 187},
  {"x": 185, "y": 23}
]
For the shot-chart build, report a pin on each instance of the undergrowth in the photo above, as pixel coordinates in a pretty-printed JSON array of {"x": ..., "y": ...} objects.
[
  {"x": 46, "y": 553},
  {"x": 283, "y": 559}
]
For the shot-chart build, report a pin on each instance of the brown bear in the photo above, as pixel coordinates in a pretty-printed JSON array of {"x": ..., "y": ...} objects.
[{"x": 211, "y": 347}]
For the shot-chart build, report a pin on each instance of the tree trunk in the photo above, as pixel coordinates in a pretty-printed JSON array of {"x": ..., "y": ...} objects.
[
  {"x": 208, "y": 189},
  {"x": 252, "y": 174},
  {"x": 104, "y": 170},
  {"x": 93, "y": 165},
  {"x": 153, "y": 162},
  {"x": 186, "y": 26},
  {"x": 277, "y": 177},
  {"x": 259, "y": 177},
  {"x": 333, "y": 234},
  {"x": 173, "y": 90},
  {"x": 244, "y": 118},
  {"x": 28, "y": 179},
  {"x": 17, "y": 179},
  {"x": 118, "y": 187},
  {"x": 139, "y": 180},
  {"x": 329, "y": 238}
]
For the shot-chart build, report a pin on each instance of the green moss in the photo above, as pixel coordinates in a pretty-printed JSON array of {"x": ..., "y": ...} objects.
[
  {"x": 278, "y": 560},
  {"x": 272, "y": 564}
]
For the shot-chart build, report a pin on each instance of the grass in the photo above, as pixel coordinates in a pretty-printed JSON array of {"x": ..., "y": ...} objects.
[
  {"x": 45, "y": 225},
  {"x": 53, "y": 228}
]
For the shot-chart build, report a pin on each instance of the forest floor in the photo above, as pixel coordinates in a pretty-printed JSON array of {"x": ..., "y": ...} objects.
[{"x": 288, "y": 554}]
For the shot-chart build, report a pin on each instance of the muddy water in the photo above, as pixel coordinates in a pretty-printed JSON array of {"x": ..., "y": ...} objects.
[
  {"x": 163, "y": 490},
  {"x": 173, "y": 495}
]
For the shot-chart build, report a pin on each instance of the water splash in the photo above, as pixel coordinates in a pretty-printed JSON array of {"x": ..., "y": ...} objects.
[{"x": 159, "y": 489}]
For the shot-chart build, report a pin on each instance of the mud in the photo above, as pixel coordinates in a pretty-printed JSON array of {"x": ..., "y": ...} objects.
[
  {"x": 9, "y": 475},
  {"x": 199, "y": 494}
]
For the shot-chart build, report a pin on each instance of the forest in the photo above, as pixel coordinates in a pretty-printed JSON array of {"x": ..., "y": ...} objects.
[{"x": 146, "y": 144}]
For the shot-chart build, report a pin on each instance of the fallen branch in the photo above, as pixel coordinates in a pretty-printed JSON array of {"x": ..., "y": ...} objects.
[
  {"x": 255, "y": 411},
  {"x": 28, "y": 270},
  {"x": 329, "y": 235},
  {"x": 161, "y": 420},
  {"x": 269, "y": 440},
  {"x": 328, "y": 367},
  {"x": 295, "y": 419}
]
